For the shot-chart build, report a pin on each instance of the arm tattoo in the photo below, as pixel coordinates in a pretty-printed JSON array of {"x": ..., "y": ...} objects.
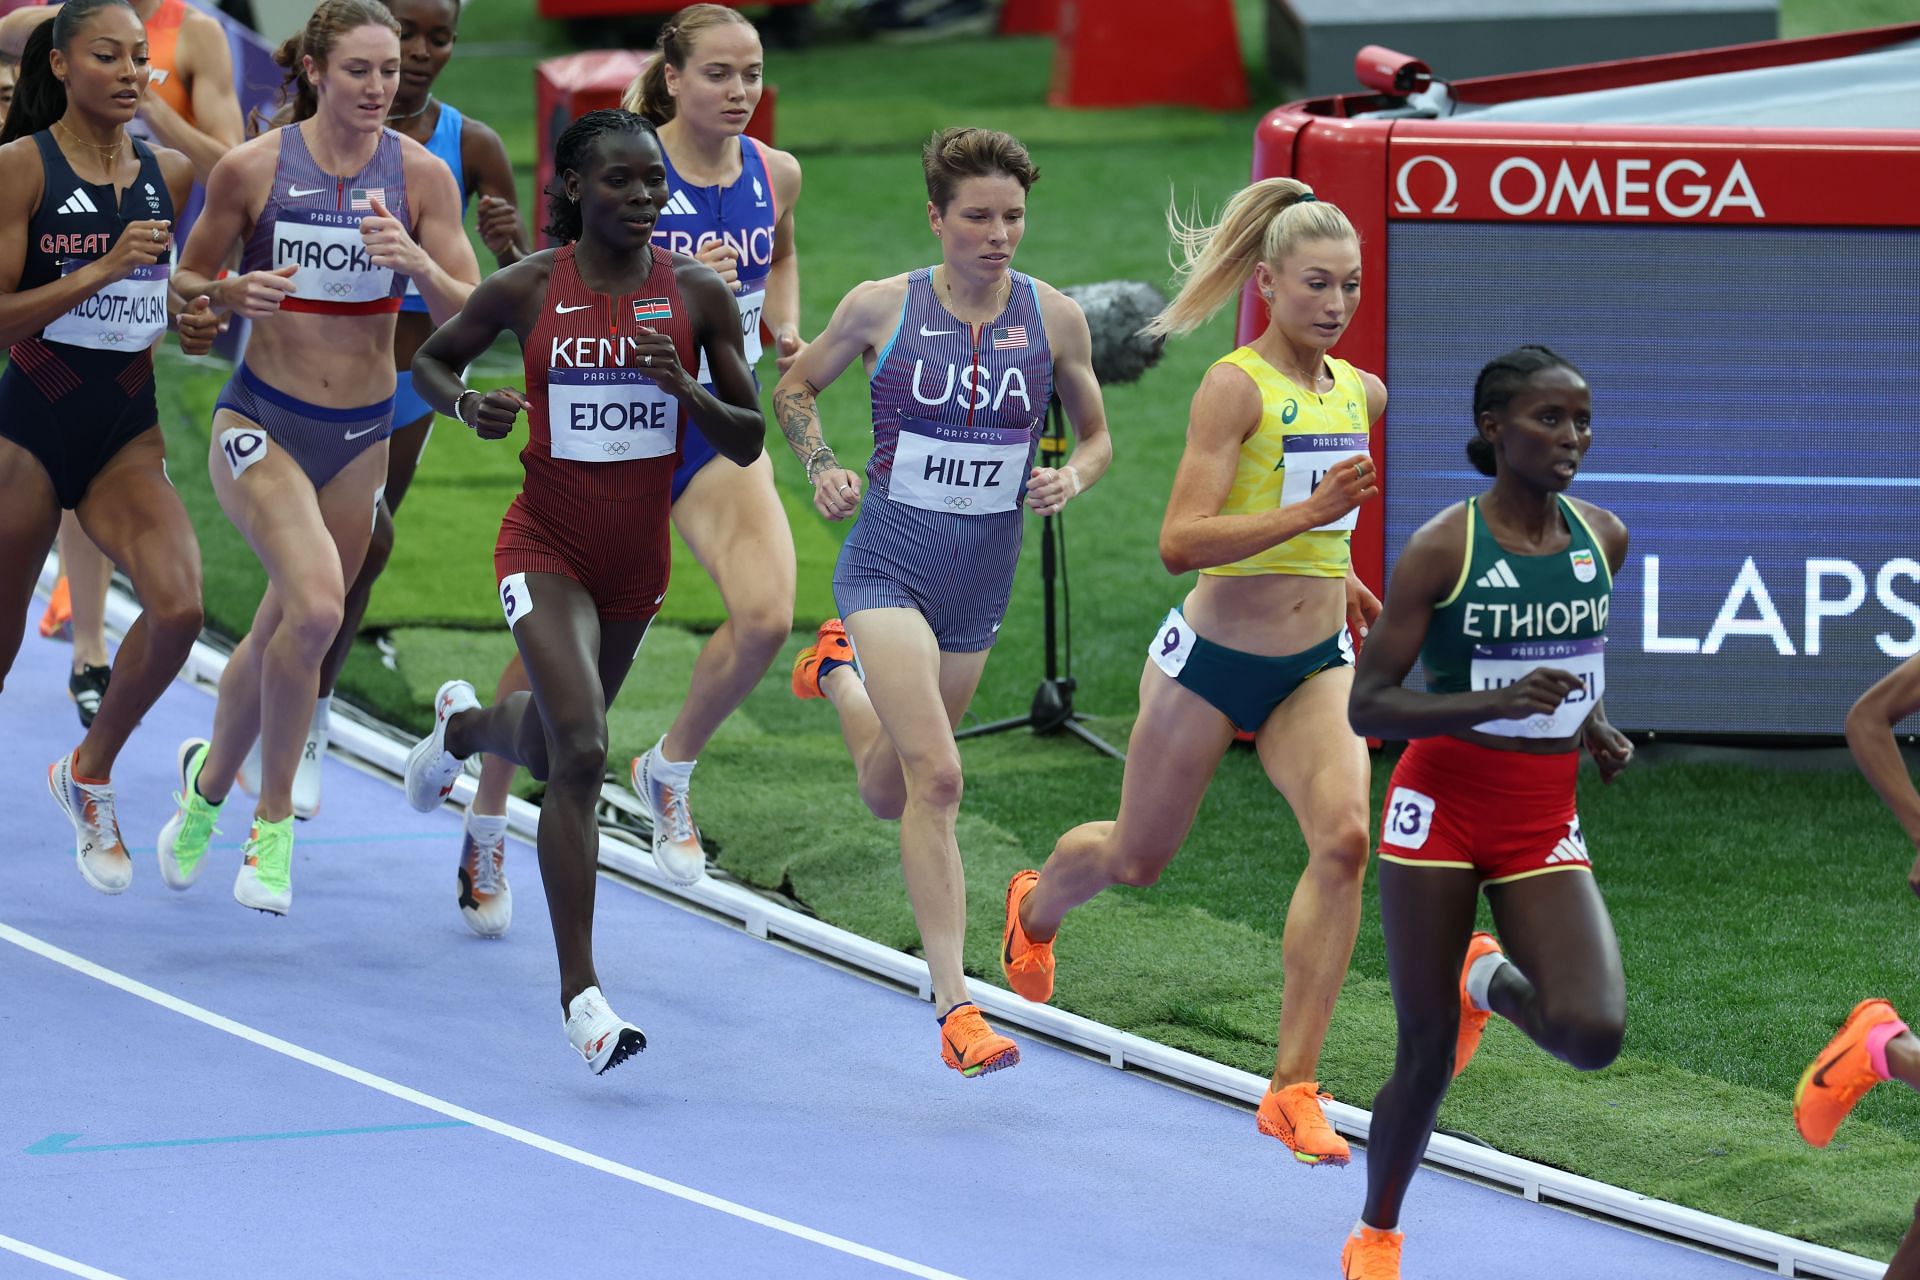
[{"x": 799, "y": 420}]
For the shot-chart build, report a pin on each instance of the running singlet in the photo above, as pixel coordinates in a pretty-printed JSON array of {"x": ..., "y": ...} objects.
[
  {"x": 1301, "y": 436},
  {"x": 312, "y": 220},
  {"x": 957, "y": 411},
  {"x": 75, "y": 393},
  {"x": 603, "y": 436},
  {"x": 163, "y": 63},
  {"x": 743, "y": 215},
  {"x": 444, "y": 144},
  {"x": 77, "y": 222},
  {"x": 1511, "y": 614}
]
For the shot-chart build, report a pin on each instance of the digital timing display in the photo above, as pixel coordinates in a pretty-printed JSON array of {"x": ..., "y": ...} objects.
[{"x": 1756, "y": 424}]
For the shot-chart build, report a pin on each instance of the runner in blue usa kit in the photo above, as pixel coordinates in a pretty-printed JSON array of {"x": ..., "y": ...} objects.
[
  {"x": 86, "y": 221},
  {"x": 962, "y": 359},
  {"x": 334, "y": 210}
]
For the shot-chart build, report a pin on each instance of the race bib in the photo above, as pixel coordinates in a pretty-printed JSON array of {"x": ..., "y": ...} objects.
[
  {"x": 1496, "y": 666},
  {"x": 965, "y": 471},
  {"x": 1409, "y": 819},
  {"x": 609, "y": 415},
  {"x": 751, "y": 306},
  {"x": 515, "y": 600},
  {"x": 1308, "y": 459},
  {"x": 333, "y": 260},
  {"x": 242, "y": 447},
  {"x": 127, "y": 315},
  {"x": 1172, "y": 644}
]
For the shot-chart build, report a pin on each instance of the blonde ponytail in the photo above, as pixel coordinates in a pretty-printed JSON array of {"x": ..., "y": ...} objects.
[{"x": 1262, "y": 223}]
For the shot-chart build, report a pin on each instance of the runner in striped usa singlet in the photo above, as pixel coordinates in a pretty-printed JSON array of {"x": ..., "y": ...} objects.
[
  {"x": 962, "y": 360},
  {"x": 478, "y": 161},
  {"x": 612, "y": 329},
  {"x": 1504, "y": 600},
  {"x": 85, "y": 241},
  {"x": 334, "y": 211}
]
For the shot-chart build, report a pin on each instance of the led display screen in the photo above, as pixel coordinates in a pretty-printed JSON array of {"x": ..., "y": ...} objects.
[{"x": 1756, "y": 424}]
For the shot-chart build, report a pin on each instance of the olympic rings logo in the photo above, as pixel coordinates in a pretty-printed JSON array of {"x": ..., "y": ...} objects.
[
  {"x": 113, "y": 339},
  {"x": 959, "y": 502},
  {"x": 616, "y": 447},
  {"x": 340, "y": 288}
]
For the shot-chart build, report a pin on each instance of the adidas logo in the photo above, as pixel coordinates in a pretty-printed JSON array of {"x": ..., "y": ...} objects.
[
  {"x": 1498, "y": 576},
  {"x": 1566, "y": 851},
  {"x": 679, "y": 204},
  {"x": 79, "y": 202}
]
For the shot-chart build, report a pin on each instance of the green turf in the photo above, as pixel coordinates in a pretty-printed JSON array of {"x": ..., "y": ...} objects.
[{"x": 1753, "y": 906}]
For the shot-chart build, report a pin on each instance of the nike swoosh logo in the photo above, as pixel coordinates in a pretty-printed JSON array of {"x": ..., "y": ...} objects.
[
  {"x": 300, "y": 193},
  {"x": 355, "y": 435},
  {"x": 562, "y": 308},
  {"x": 936, "y": 333},
  {"x": 1820, "y": 1076}
]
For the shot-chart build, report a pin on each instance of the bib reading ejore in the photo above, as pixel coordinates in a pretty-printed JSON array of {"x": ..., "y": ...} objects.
[
  {"x": 609, "y": 415},
  {"x": 966, "y": 471},
  {"x": 1495, "y": 666},
  {"x": 1308, "y": 460},
  {"x": 127, "y": 315},
  {"x": 333, "y": 262}
]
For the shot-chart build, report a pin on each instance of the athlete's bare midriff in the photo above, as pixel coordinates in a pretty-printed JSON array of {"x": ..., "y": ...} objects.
[
  {"x": 333, "y": 361},
  {"x": 1271, "y": 614}
]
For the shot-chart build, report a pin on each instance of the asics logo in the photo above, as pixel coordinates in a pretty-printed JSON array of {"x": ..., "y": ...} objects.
[
  {"x": 935, "y": 333},
  {"x": 561, "y": 308},
  {"x": 301, "y": 193}
]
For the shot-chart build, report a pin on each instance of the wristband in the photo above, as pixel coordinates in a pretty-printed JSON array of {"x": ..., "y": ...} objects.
[
  {"x": 1076, "y": 479},
  {"x": 815, "y": 457},
  {"x": 462, "y": 399}
]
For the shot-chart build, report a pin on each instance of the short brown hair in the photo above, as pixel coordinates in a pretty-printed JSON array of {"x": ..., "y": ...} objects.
[{"x": 953, "y": 155}]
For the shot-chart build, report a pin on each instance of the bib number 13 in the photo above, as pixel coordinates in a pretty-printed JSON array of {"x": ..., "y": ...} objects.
[{"x": 1409, "y": 819}]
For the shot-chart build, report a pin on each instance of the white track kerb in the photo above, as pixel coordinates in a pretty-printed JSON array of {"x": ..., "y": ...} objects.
[{"x": 387, "y": 752}]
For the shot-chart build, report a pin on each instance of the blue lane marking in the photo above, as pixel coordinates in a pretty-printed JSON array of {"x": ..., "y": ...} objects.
[
  {"x": 1778, "y": 482},
  {"x": 61, "y": 1144},
  {"x": 307, "y": 841}
]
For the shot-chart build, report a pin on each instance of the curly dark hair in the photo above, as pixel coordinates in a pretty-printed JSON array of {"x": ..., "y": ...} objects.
[{"x": 571, "y": 152}]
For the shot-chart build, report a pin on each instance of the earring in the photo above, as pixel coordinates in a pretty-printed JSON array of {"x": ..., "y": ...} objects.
[{"x": 1267, "y": 294}]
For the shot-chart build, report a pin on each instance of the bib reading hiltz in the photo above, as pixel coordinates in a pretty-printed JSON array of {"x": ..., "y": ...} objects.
[
  {"x": 1510, "y": 614},
  {"x": 968, "y": 471},
  {"x": 609, "y": 415}
]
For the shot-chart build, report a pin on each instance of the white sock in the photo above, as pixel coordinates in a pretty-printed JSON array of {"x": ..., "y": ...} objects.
[
  {"x": 1480, "y": 977},
  {"x": 674, "y": 773},
  {"x": 322, "y": 711},
  {"x": 1361, "y": 1224},
  {"x": 486, "y": 824}
]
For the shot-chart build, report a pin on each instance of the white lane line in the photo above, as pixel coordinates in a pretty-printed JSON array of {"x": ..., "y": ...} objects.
[
  {"x": 54, "y": 1260},
  {"x": 600, "y": 1164}
]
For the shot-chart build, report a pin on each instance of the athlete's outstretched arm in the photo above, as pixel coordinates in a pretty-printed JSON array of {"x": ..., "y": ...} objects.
[
  {"x": 1194, "y": 535},
  {"x": 436, "y": 253},
  {"x": 1050, "y": 488},
  {"x": 857, "y": 326},
  {"x": 506, "y": 302},
  {"x": 782, "y": 312},
  {"x": 1870, "y": 737},
  {"x": 226, "y": 216},
  {"x": 732, "y": 420},
  {"x": 1380, "y": 706}
]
